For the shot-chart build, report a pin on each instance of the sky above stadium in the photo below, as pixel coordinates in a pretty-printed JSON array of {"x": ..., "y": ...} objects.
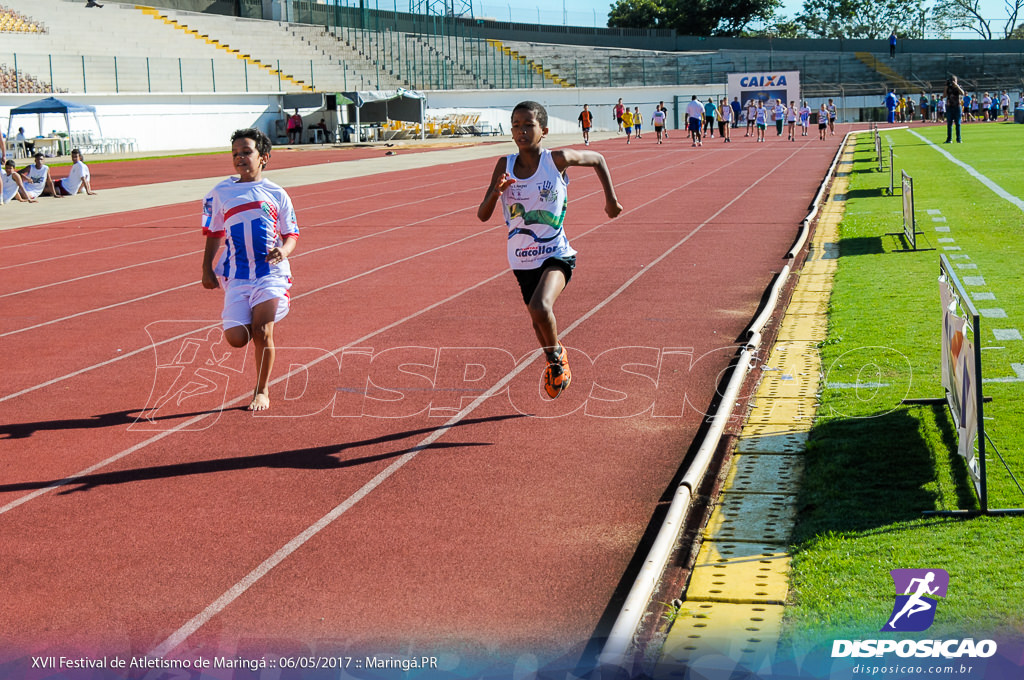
[{"x": 595, "y": 12}]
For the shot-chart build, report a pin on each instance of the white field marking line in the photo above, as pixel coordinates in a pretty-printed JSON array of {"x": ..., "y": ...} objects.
[
  {"x": 103, "y": 273},
  {"x": 301, "y": 254},
  {"x": 119, "y": 357},
  {"x": 139, "y": 350},
  {"x": 194, "y": 252},
  {"x": 241, "y": 398},
  {"x": 183, "y": 232},
  {"x": 43, "y": 241},
  {"x": 162, "y": 220},
  {"x": 237, "y": 400},
  {"x": 998, "y": 190},
  {"x": 180, "y": 232},
  {"x": 236, "y": 591},
  {"x": 97, "y": 309},
  {"x": 194, "y": 282},
  {"x": 294, "y": 297}
]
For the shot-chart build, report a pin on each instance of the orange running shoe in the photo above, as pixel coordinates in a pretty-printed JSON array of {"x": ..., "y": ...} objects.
[{"x": 557, "y": 375}]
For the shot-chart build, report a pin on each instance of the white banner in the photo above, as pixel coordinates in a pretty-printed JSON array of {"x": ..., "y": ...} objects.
[
  {"x": 959, "y": 379},
  {"x": 764, "y": 85}
]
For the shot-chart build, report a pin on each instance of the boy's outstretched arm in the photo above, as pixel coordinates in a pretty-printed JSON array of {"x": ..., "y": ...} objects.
[
  {"x": 500, "y": 180},
  {"x": 213, "y": 244},
  {"x": 591, "y": 159}
]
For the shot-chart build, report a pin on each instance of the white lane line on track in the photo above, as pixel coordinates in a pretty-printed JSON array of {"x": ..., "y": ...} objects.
[
  {"x": 241, "y": 398},
  {"x": 47, "y": 241},
  {"x": 116, "y": 246},
  {"x": 237, "y": 590},
  {"x": 295, "y": 297},
  {"x": 998, "y": 190},
  {"x": 94, "y": 275}
]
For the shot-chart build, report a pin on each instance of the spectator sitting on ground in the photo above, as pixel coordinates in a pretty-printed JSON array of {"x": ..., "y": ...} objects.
[
  {"x": 77, "y": 179},
  {"x": 37, "y": 178},
  {"x": 13, "y": 186}
]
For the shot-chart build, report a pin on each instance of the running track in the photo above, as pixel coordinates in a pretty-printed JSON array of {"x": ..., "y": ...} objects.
[{"x": 410, "y": 492}]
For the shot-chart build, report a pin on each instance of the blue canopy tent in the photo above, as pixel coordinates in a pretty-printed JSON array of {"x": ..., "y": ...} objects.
[{"x": 52, "y": 105}]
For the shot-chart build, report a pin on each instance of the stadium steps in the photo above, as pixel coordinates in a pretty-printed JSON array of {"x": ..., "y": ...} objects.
[
  {"x": 893, "y": 79},
  {"x": 78, "y": 55},
  {"x": 532, "y": 64},
  {"x": 317, "y": 57},
  {"x": 450, "y": 60},
  {"x": 217, "y": 44}
]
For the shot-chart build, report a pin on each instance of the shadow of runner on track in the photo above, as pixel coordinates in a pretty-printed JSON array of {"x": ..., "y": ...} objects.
[
  {"x": 312, "y": 458},
  {"x": 115, "y": 419}
]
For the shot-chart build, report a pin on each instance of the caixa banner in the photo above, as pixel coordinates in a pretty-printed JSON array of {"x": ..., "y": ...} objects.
[{"x": 764, "y": 85}]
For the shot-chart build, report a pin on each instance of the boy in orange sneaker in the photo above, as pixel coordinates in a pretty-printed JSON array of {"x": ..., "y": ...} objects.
[{"x": 532, "y": 186}]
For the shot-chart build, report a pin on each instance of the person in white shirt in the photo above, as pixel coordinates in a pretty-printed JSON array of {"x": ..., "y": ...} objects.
[
  {"x": 805, "y": 118},
  {"x": 779, "y": 116},
  {"x": 13, "y": 187},
  {"x": 694, "y": 120},
  {"x": 254, "y": 220},
  {"x": 77, "y": 179},
  {"x": 37, "y": 179},
  {"x": 21, "y": 141}
]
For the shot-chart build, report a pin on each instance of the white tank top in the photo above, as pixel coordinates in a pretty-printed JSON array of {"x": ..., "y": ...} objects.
[{"x": 534, "y": 210}]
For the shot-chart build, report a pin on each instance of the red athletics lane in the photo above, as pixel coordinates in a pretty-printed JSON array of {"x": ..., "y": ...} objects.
[
  {"x": 365, "y": 514},
  {"x": 129, "y": 173}
]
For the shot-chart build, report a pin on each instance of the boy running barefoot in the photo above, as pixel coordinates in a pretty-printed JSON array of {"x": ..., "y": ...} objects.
[
  {"x": 254, "y": 218},
  {"x": 532, "y": 187}
]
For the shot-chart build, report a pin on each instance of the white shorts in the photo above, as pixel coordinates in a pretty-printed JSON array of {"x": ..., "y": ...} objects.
[
  {"x": 241, "y": 295},
  {"x": 32, "y": 191}
]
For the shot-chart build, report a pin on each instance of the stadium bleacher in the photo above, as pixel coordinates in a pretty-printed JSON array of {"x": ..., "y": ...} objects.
[{"x": 175, "y": 51}]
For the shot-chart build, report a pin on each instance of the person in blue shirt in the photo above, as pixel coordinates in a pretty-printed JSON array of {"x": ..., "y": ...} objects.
[{"x": 890, "y": 106}]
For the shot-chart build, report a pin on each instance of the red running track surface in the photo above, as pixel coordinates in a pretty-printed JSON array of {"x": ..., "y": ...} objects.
[{"x": 141, "y": 511}]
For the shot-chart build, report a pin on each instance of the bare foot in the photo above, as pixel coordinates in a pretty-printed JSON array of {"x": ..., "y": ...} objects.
[{"x": 260, "y": 402}]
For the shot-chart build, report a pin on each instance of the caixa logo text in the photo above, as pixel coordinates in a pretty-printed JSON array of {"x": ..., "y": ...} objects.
[{"x": 763, "y": 81}]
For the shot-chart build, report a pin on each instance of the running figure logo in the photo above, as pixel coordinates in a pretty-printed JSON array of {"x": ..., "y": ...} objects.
[
  {"x": 193, "y": 371},
  {"x": 914, "y": 610}
]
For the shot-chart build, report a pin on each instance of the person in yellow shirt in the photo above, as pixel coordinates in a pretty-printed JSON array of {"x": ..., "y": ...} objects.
[{"x": 627, "y": 123}]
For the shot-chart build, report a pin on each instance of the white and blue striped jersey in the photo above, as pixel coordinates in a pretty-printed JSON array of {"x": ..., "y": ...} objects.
[{"x": 253, "y": 218}]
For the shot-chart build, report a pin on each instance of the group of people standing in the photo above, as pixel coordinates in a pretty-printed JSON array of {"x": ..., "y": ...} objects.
[
  {"x": 629, "y": 121},
  {"x": 954, "y": 105},
  {"x": 702, "y": 118}
]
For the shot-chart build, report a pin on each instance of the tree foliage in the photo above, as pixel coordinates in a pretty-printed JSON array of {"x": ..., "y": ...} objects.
[
  {"x": 872, "y": 19},
  {"x": 970, "y": 15},
  {"x": 691, "y": 17},
  {"x": 637, "y": 14}
]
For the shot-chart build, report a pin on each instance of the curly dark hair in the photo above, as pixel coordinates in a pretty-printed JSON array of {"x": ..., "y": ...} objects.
[
  {"x": 539, "y": 112},
  {"x": 258, "y": 137}
]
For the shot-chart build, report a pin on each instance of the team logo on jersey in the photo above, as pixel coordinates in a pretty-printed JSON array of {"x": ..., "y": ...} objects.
[{"x": 546, "y": 191}]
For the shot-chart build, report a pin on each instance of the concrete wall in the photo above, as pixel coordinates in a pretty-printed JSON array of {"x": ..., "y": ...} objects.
[
  {"x": 157, "y": 122},
  {"x": 200, "y": 121},
  {"x": 564, "y": 104}
]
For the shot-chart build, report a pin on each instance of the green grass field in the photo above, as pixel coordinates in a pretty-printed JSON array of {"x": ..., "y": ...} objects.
[{"x": 874, "y": 465}]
